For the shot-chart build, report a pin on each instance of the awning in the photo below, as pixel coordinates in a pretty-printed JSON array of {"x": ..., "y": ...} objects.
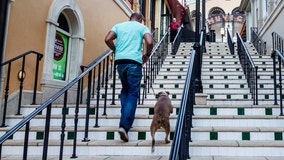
[{"x": 177, "y": 9}]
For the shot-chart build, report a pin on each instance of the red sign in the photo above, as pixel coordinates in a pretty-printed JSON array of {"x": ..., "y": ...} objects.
[
  {"x": 224, "y": 18},
  {"x": 58, "y": 47}
]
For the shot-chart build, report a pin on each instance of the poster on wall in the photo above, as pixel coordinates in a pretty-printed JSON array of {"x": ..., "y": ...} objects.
[{"x": 60, "y": 56}]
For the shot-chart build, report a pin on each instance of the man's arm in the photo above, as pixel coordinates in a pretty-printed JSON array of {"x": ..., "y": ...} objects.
[
  {"x": 149, "y": 46},
  {"x": 149, "y": 43},
  {"x": 109, "y": 40}
]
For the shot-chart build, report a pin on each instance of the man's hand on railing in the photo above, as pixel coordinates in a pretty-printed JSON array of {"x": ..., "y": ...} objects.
[{"x": 145, "y": 58}]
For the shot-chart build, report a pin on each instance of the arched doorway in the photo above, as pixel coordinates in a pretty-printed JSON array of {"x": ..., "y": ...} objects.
[
  {"x": 219, "y": 22},
  {"x": 64, "y": 46}
]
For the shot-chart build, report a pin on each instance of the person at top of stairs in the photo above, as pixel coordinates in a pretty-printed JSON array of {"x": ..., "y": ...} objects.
[
  {"x": 173, "y": 28},
  {"x": 128, "y": 59}
]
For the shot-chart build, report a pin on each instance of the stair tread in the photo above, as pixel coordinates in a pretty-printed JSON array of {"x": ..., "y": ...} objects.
[
  {"x": 147, "y": 129},
  {"x": 149, "y": 117},
  {"x": 148, "y": 143},
  {"x": 117, "y": 143}
]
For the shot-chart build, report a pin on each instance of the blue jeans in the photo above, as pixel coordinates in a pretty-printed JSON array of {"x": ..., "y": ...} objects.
[{"x": 130, "y": 76}]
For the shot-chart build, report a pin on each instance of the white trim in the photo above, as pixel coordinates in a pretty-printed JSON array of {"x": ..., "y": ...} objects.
[
  {"x": 124, "y": 7},
  {"x": 64, "y": 32}
]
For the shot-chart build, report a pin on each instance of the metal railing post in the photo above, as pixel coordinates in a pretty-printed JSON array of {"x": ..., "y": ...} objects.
[{"x": 197, "y": 48}]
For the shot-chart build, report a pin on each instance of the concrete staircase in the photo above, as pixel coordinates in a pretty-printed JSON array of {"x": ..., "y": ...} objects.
[
  {"x": 229, "y": 125},
  {"x": 225, "y": 123}
]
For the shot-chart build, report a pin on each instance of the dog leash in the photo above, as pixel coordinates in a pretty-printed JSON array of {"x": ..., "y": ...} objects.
[
  {"x": 153, "y": 90},
  {"x": 151, "y": 83}
]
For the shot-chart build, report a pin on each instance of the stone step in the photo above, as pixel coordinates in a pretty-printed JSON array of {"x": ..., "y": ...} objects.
[
  {"x": 196, "y": 148},
  {"x": 142, "y": 120},
  {"x": 212, "y": 84},
  {"x": 92, "y": 147},
  {"x": 143, "y": 133},
  {"x": 148, "y": 109},
  {"x": 99, "y": 157},
  {"x": 237, "y": 110},
  {"x": 236, "y": 148},
  {"x": 231, "y": 101}
]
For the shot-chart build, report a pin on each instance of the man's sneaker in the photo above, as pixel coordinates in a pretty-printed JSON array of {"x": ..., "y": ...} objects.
[{"x": 123, "y": 134}]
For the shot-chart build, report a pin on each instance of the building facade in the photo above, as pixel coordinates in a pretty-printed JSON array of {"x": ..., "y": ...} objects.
[
  {"x": 69, "y": 34},
  {"x": 266, "y": 16},
  {"x": 221, "y": 15}
]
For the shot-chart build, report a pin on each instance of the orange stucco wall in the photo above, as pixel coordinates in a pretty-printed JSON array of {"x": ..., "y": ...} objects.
[{"x": 27, "y": 29}]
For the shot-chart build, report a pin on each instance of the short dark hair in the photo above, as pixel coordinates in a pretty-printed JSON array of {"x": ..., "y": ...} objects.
[{"x": 136, "y": 16}]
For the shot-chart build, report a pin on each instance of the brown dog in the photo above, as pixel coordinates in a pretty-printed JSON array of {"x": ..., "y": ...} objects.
[{"x": 162, "y": 110}]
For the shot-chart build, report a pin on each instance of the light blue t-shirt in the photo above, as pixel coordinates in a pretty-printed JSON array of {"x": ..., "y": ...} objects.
[{"x": 129, "y": 40}]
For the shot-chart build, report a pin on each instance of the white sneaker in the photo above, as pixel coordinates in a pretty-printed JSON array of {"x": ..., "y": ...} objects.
[{"x": 123, "y": 134}]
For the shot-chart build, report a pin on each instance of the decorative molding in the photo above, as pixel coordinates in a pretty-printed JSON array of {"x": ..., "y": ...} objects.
[
  {"x": 51, "y": 21},
  {"x": 74, "y": 16},
  {"x": 124, "y": 6}
]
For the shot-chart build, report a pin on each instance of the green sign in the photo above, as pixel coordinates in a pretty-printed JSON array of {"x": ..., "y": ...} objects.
[{"x": 60, "y": 56}]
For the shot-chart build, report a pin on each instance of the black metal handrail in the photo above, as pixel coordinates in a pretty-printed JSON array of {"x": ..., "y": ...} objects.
[
  {"x": 249, "y": 68},
  {"x": 278, "y": 58},
  {"x": 152, "y": 67},
  {"x": 47, "y": 105},
  {"x": 21, "y": 76},
  {"x": 96, "y": 75},
  {"x": 277, "y": 42},
  {"x": 180, "y": 143},
  {"x": 155, "y": 34},
  {"x": 176, "y": 42},
  {"x": 230, "y": 42},
  {"x": 258, "y": 43},
  {"x": 182, "y": 135}
]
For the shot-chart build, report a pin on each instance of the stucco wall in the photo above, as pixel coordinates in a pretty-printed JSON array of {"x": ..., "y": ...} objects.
[
  {"x": 27, "y": 30},
  {"x": 99, "y": 17},
  {"x": 273, "y": 23}
]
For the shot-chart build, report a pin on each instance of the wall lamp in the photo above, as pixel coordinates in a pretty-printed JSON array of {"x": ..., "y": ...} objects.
[{"x": 21, "y": 75}]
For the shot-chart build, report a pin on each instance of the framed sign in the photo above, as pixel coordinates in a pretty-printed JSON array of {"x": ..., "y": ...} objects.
[{"x": 60, "y": 56}]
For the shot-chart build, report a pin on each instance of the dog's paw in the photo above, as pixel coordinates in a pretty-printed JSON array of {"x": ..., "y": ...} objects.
[{"x": 167, "y": 141}]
